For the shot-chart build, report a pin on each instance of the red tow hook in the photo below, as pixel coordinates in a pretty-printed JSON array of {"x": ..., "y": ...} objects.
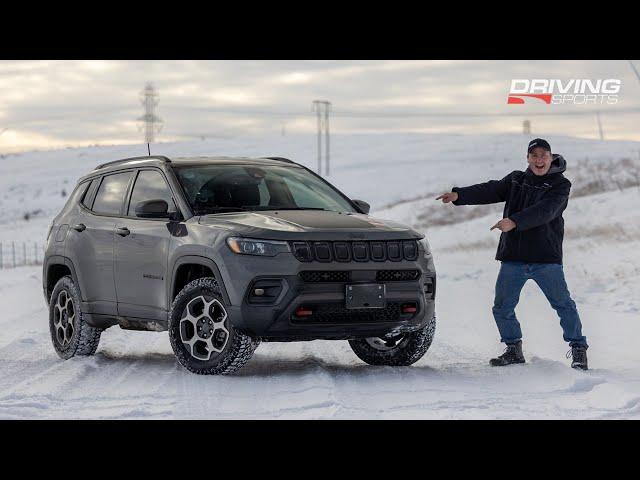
[
  {"x": 409, "y": 309},
  {"x": 303, "y": 312}
]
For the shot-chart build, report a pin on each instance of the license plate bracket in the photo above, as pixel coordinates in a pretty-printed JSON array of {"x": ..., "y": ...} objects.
[{"x": 365, "y": 295}]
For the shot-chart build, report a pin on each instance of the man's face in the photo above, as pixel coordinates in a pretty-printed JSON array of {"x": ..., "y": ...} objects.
[{"x": 539, "y": 161}]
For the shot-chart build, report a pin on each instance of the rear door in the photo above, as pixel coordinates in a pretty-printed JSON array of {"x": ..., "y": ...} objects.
[
  {"x": 90, "y": 241},
  {"x": 142, "y": 250}
]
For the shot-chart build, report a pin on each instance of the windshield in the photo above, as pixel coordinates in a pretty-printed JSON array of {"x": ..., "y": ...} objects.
[{"x": 232, "y": 188}]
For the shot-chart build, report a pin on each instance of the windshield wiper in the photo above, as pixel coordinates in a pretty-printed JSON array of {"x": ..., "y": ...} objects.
[
  {"x": 266, "y": 207},
  {"x": 214, "y": 210}
]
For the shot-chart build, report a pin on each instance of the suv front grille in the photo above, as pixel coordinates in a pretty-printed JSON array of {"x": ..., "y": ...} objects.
[
  {"x": 358, "y": 251},
  {"x": 331, "y": 313},
  {"x": 397, "y": 275},
  {"x": 328, "y": 276},
  {"x": 312, "y": 276}
]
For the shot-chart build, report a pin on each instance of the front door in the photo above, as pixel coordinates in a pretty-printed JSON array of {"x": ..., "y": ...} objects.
[{"x": 142, "y": 251}]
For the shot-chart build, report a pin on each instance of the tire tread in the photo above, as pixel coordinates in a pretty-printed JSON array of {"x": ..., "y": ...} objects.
[{"x": 241, "y": 348}]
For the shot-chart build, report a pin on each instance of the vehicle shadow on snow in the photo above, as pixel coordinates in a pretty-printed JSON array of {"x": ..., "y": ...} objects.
[
  {"x": 156, "y": 358},
  {"x": 269, "y": 367}
]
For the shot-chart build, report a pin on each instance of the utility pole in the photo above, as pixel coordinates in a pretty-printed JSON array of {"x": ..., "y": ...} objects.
[
  {"x": 526, "y": 127},
  {"x": 327, "y": 107},
  {"x": 151, "y": 123},
  {"x": 599, "y": 125},
  {"x": 317, "y": 108},
  {"x": 322, "y": 106},
  {"x": 635, "y": 70}
]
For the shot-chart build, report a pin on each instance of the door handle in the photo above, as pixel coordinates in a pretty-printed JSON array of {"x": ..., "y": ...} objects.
[
  {"x": 122, "y": 231},
  {"x": 81, "y": 227}
]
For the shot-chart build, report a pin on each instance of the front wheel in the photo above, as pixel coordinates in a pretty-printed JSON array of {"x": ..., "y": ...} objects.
[
  {"x": 395, "y": 350},
  {"x": 201, "y": 334}
]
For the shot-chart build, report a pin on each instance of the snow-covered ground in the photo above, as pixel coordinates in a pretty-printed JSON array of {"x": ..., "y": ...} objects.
[{"x": 134, "y": 374}]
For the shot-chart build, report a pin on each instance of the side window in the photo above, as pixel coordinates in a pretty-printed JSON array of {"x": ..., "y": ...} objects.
[
  {"x": 150, "y": 185},
  {"x": 87, "y": 199},
  {"x": 111, "y": 193}
]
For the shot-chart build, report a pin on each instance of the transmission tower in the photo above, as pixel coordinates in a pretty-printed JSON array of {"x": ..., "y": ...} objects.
[
  {"x": 320, "y": 106},
  {"x": 151, "y": 123}
]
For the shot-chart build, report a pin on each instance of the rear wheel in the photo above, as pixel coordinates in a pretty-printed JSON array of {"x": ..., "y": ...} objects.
[
  {"x": 70, "y": 334},
  {"x": 395, "y": 350},
  {"x": 201, "y": 334}
]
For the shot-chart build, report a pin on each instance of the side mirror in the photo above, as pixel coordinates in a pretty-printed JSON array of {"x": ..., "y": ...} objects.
[
  {"x": 363, "y": 206},
  {"x": 153, "y": 209}
]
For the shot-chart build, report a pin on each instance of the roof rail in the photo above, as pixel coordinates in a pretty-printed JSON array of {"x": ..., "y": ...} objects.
[
  {"x": 279, "y": 159},
  {"x": 115, "y": 162}
]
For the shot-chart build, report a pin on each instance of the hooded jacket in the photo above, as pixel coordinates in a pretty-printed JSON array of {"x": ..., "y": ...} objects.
[{"x": 535, "y": 203}]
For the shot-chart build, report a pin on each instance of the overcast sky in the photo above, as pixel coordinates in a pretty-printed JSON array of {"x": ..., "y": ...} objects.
[{"x": 54, "y": 104}]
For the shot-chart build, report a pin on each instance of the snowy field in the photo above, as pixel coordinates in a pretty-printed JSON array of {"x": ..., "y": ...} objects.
[{"x": 134, "y": 374}]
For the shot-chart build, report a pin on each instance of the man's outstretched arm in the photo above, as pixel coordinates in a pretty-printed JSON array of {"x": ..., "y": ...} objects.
[{"x": 493, "y": 191}]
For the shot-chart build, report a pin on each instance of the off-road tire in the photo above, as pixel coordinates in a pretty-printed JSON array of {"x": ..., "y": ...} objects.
[
  {"x": 238, "y": 348},
  {"x": 408, "y": 351},
  {"x": 85, "y": 339}
]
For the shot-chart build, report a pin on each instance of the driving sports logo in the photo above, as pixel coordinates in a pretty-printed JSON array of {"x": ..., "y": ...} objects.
[{"x": 553, "y": 91}]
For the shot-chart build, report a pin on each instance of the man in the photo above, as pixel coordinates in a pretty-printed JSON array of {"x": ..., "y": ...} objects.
[{"x": 530, "y": 246}]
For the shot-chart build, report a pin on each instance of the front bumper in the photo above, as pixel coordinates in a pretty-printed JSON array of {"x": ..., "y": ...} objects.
[{"x": 331, "y": 320}]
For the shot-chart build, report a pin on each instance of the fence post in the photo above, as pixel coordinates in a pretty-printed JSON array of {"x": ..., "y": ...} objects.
[
  {"x": 35, "y": 253},
  {"x": 1, "y": 260},
  {"x": 13, "y": 253},
  {"x": 24, "y": 253}
]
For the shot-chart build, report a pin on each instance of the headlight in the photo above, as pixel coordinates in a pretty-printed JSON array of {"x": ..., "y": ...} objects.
[
  {"x": 253, "y": 246},
  {"x": 425, "y": 244}
]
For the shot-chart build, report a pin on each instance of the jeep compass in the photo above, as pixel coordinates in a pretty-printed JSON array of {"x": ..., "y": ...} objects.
[{"x": 225, "y": 253}]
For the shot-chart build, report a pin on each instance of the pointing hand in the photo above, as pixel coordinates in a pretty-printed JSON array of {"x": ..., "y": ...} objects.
[
  {"x": 448, "y": 197},
  {"x": 504, "y": 225}
]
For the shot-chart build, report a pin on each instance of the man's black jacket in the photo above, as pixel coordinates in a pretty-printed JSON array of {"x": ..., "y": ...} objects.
[{"x": 535, "y": 204}]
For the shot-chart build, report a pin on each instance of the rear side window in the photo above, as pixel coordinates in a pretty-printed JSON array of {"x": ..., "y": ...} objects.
[
  {"x": 87, "y": 200},
  {"x": 150, "y": 185},
  {"x": 111, "y": 193}
]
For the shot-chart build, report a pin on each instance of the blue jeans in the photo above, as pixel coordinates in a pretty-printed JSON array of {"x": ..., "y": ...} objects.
[{"x": 550, "y": 279}]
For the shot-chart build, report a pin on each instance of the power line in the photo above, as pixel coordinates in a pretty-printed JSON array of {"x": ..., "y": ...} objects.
[{"x": 408, "y": 114}]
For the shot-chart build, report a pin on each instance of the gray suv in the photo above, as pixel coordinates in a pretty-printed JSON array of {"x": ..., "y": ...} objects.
[{"x": 227, "y": 252}]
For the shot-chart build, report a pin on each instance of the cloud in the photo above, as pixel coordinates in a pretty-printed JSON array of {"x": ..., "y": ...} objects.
[{"x": 47, "y": 103}]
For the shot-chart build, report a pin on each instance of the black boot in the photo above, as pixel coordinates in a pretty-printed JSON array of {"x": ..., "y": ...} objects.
[
  {"x": 513, "y": 354},
  {"x": 579, "y": 354}
]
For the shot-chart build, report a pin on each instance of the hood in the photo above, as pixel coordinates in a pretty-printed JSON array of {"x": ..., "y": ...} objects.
[
  {"x": 309, "y": 224},
  {"x": 558, "y": 165}
]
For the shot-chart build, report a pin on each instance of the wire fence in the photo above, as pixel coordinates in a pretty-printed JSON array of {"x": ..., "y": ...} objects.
[{"x": 20, "y": 254}]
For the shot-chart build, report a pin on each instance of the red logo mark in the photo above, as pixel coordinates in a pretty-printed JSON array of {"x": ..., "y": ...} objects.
[{"x": 513, "y": 98}]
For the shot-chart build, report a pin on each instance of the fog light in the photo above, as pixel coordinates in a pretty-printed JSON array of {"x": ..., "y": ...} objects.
[{"x": 258, "y": 292}]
